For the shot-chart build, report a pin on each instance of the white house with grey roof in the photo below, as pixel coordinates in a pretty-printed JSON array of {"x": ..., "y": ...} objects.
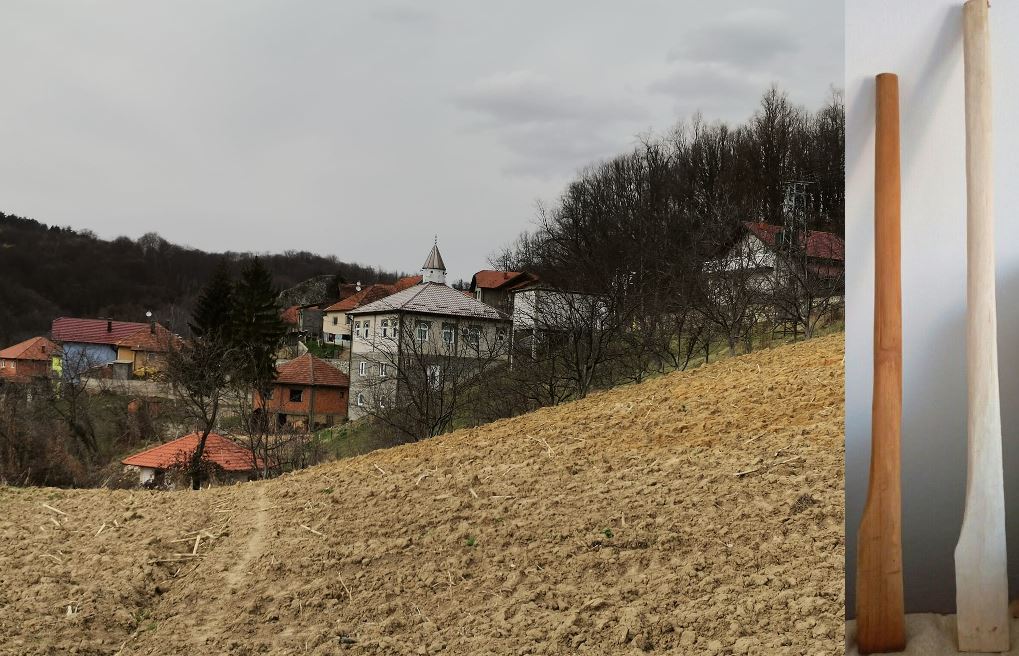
[{"x": 429, "y": 326}]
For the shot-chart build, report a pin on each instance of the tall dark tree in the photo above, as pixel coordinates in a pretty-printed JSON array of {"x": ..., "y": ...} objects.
[
  {"x": 213, "y": 309},
  {"x": 257, "y": 329}
]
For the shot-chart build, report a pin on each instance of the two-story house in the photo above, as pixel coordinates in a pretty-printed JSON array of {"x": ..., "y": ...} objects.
[
  {"x": 337, "y": 324},
  {"x": 495, "y": 287},
  {"x": 428, "y": 326},
  {"x": 307, "y": 391}
]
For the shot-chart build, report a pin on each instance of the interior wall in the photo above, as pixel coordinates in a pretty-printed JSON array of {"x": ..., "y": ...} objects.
[{"x": 921, "y": 41}]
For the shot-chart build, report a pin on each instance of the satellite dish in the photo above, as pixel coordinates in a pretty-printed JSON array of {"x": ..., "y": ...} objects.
[
  {"x": 357, "y": 287},
  {"x": 148, "y": 314}
]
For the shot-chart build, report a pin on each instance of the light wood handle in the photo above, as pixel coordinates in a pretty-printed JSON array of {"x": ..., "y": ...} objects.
[
  {"x": 880, "y": 617},
  {"x": 981, "y": 577}
]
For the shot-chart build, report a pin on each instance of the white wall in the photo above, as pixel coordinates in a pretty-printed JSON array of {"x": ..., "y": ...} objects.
[{"x": 921, "y": 40}]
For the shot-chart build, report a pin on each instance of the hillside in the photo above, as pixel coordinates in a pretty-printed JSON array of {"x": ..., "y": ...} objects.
[
  {"x": 696, "y": 513},
  {"x": 49, "y": 271}
]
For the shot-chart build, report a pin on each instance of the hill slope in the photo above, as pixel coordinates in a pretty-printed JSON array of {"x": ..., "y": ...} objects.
[{"x": 698, "y": 513}]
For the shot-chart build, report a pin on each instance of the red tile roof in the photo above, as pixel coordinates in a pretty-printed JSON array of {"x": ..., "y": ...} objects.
[
  {"x": 291, "y": 315},
  {"x": 147, "y": 340},
  {"x": 488, "y": 279},
  {"x": 227, "y": 454},
  {"x": 309, "y": 370},
  {"x": 93, "y": 331},
  {"x": 824, "y": 245},
  {"x": 404, "y": 283},
  {"x": 372, "y": 293},
  {"x": 37, "y": 348}
]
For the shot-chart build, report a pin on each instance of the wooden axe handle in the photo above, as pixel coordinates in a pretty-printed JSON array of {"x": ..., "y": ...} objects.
[
  {"x": 981, "y": 577},
  {"x": 880, "y": 618}
]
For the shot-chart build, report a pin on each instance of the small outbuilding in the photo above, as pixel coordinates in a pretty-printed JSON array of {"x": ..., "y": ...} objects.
[{"x": 232, "y": 462}]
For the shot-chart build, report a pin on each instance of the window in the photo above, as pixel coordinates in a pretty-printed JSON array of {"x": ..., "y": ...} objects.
[
  {"x": 362, "y": 368},
  {"x": 382, "y": 370},
  {"x": 472, "y": 335},
  {"x": 382, "y": 402},
  {"x": 296, "y": 395},
  {"x": 330, "y": 337},
  {"x": 434, "y": 376},
  {"x": 500, "y": 335},
  {"x": 357, "y": 329},
  {"x": 3, "y": 364},
  {"x": 449, "y": 334},
  {"x": 477, "y": 294},
  {"x": 360, "y": 399},
  {"x": 423, "y": 327},
  {"x": 270, "y": 394},
  {"x": 364, "y": 327},
  {"x": 348, "y": 319},
  {"x": 385, "y": 327},
  {"x": 336, "y": 320}
]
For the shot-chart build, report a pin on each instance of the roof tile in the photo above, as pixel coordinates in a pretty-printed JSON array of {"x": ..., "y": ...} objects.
[{"x": 224, "y": 452}]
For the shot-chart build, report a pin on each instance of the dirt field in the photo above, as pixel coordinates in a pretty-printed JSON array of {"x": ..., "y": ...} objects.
[{"x": 697, "y": 513}]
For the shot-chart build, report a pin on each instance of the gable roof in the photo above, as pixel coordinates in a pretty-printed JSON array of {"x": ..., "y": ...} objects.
[
  {"x": 290, "y": 315},
  {"x": 434, "y": 260},
  {"x": 489, "y": 279},
  {"x": 822, "y": 245},
  {"x": 432, "y": 298},
  {"x": 36, "y": 348},
  {"x": 154, "y": 338},
  {"x": 93, "y": 331},
  {"x": 227, "y": 454},
  {"x": 309, "y": 370}
]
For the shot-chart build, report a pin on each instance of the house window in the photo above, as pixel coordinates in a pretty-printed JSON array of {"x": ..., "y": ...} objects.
[
  {"x": 500, "y": 335},
  {"x": 385, "y": 327},
  {"x": 434, "y": 376},
  {"x": 3, "y": 364},
  {"x": 472, "y": 335},
  {"x": 348, "y": 319},
  {"x": 362, "y": 368},
  {"x": 296, "y": 395},
  {"x": 336, "y": 320},
  {"x": 382, "y": 402},
  {"x": 360, "y": 399},
  {"x": 268, "y": 397},
  {"x": 330, "y": 337},
  {"x": 477, "y": 294},
  {"x": 382, "y": 370},
  {"x": 357, "y": 329},
  {"x": 423, "y": 327},
  {"x": 364, "y": 327},
  {"x": 448, "y": 334}
]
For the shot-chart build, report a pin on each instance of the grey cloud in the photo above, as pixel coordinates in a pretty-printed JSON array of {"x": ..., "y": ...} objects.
[
  {"x": 749, "y": 38},
  {"x": 403, "y": 14}
]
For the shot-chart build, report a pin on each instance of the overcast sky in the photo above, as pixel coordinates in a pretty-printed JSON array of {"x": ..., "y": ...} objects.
[{"x": 362, "y": 129}]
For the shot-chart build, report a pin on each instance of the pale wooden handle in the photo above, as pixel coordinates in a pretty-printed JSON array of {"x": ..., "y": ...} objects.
[
  {"x": 880, "y": 618},
  {"x": 981, "y": 577}
]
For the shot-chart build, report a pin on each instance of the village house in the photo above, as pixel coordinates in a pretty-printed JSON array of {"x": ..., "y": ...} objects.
[
  {"x": 231, "y": 462},
  {"x": 494, "y": 288},
  {"x": 28, "y": 360},
  {"x": 90, "y": 343},
  {"x": 337, "y": 324},
  {"x": 764, "y": 253},
  {"x": 144, "y": 352},
  {"x": 308, "y": 392},
  {"x": 429, "y": 319}
]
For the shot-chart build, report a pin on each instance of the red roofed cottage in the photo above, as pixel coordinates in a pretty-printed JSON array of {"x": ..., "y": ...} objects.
[
  {"x": 232, "y": 461},
  {"x": 307, "y": 391}
]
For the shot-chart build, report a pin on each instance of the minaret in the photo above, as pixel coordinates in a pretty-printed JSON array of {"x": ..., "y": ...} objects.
[{"x": 434, "y": 269}]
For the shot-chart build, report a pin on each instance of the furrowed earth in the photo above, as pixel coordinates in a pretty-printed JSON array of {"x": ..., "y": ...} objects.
[{"x": 695, "y": 513}]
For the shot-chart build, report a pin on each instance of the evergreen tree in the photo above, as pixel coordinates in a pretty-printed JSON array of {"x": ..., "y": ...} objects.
[
  {"x": 211, "y": 316},
  {"x": 257, "y": 329}
]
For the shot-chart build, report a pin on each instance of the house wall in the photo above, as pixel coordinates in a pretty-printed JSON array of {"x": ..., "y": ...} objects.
[
  {"x": 335, "y": 327},
  {"x": 374, "y": 349},
  {"x": 79, "y": 357},
  {"x": 10, "y": 368},
  {"x": 328, "y": 401}
]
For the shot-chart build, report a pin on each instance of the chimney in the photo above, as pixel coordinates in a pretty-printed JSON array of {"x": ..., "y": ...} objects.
[
  {"x": 152, "y": 326},
  {"x": 109, "y": 325}
]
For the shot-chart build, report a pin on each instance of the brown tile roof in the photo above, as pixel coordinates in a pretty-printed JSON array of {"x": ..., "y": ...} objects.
[
  {"x": 432, "y": 298},
  {"x": 488, "y": 279},
  {"x": 93, "y": 331},
  {"x": 823, "y": 245},
  {"x": 227, "y": 454},
  {"x": 372, "y": 293},
  {"x": 309, "y": 370},
  {"x": 37, "y": 348},
  {"x": 147, "y": 340},
  {"x": 291, "y": 315}
]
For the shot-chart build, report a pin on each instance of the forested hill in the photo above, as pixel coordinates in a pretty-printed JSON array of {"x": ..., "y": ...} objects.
[{"x": 49, "y": 271}]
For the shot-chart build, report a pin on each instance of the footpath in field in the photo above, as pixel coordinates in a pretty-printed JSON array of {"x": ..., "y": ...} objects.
[{"x": 696, "y": 513}]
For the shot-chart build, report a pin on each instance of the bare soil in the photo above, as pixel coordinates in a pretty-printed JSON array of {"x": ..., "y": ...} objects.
[{"x": 696, "y": 513}]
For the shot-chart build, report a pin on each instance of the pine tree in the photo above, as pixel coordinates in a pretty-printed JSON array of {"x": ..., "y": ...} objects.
[
  {"x": 211, "y": 317},
  {"x": 256, "y": 328}
]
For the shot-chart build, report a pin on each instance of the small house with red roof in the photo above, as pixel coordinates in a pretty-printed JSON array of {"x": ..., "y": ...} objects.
[
  {"x": 28, "y": 360},
  {"x": 494, "y": 288},
  {"x": 90, "y": 343},
  {"x": 308, "y": 391},
  {"x": 231, "y": 462},
  {"x": 144, "y": 351},
  {"x": 338, "y": 325}
]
